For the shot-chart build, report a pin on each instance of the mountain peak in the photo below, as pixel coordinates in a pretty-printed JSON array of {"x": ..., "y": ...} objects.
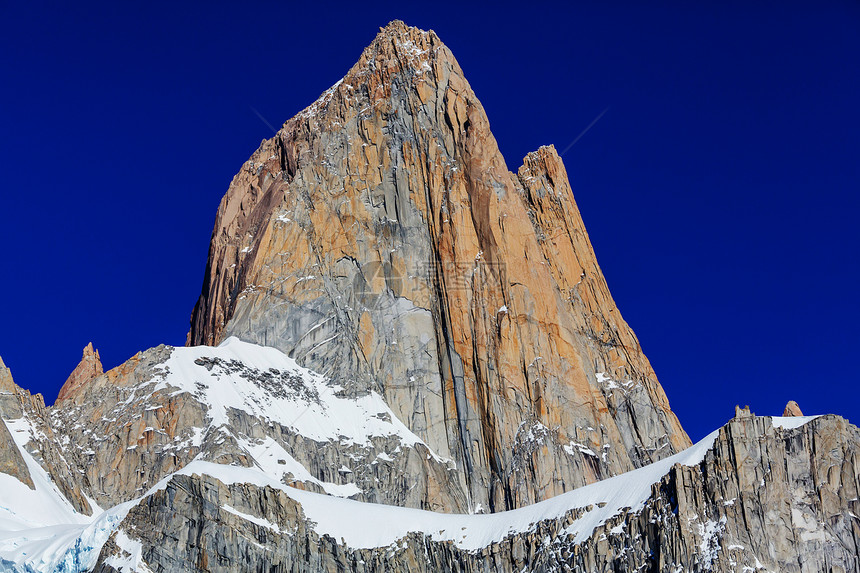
[
  {"x": 90, "y": 352},
  {"x": 409, "y": 54},
  {"x": 396, "y": 27},
  {"x": 380, "y": 238},
  {"x": 399, "y": 32}
]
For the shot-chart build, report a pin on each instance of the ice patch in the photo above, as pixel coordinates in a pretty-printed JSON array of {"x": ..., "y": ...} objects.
[
  {"x": 710, "y": 531},
  {"x": 582, "y": 448},
  {"x": 275, "y": 461}
]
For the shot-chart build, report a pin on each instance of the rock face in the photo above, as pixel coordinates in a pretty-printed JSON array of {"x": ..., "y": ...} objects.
[
  {"x": 235, "y": 459},
  {"x": 11, "y": 462},
  {"x": 88, "y": 368},
  {"x": 380, "y": 239}
]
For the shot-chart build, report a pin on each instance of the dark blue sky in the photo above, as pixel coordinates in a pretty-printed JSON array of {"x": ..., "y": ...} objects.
[{"x": 720, "y": 189}]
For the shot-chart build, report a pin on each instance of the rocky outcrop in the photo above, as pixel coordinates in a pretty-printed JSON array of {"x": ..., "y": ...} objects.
[
  {"x": 6, "y": 383},
  {"x": 380, "y": 239},
  {"x": 765, "y": 497},
  {"x": 792, "y": 409},
  {"x": 10, "y": 403},
  {"x": 121, "y": 439},
  {"x": 11, "y": 462},
  {"x": 87, "y": 369}
]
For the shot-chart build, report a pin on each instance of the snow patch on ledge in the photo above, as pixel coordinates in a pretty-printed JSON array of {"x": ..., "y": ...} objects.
[
  {"x": 131, "y": 560},
  {"x": 261, "y": 521},
  {"x": 230, "y": 376},
  {"x": 791, "y": 422},
  {"x": 275, "y": 461}
]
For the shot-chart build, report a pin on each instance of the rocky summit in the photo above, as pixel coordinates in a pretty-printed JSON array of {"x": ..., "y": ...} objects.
[
  {"x": 380, "y": 239},
  {"x": 405, "y": 357}
]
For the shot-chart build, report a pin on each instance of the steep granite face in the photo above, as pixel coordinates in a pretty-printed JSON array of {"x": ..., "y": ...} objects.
[{"x": 380, "y": 239}]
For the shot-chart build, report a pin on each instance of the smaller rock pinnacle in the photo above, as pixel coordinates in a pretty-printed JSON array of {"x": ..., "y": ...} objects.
[
  {"x": 89, "y": 367},
  {"x": 792, "y": 409}
]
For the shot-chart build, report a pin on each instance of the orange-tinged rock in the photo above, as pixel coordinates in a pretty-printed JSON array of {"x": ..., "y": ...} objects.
[
  {"x": 792, "y": 409},
  {"x": 87, "y": 369},
  {"x": 382, "y": 240}
]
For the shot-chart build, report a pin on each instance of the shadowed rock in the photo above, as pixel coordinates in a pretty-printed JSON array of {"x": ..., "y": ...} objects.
[{"x": 11, "y": 462}]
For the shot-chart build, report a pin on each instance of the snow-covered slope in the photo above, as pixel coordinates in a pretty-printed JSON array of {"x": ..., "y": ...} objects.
[
  {"x": 252, "y": 420},
  {"x": 346, "y": 519},
  {"x": 41, "y": 532},
  {"x": 39, "y": 528},
  {"x": 269, "y": 385},
  {"x": 22, "y": 507},
  {"x": 239, "y": 403},
  {"x": 49, "y": 536},
  {"x": 249, "y": 405}
]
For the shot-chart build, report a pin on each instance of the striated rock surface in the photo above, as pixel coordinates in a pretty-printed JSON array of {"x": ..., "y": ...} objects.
[
  {"x": 380, "y": 239},
  {"x": 88, "y": 368}
]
